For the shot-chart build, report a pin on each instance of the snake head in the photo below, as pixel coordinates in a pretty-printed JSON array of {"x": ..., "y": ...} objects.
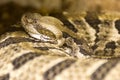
[{"x": 44, "y": 28}]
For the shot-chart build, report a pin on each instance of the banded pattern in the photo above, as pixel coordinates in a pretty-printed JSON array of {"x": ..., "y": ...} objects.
[{"x": 84, "y": 47}]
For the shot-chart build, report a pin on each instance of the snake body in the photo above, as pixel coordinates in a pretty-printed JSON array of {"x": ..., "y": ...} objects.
[{"x": 64, "y": 47}]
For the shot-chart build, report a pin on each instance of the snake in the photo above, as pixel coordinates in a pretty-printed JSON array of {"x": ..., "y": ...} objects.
[{"x": 62, "y": 46}]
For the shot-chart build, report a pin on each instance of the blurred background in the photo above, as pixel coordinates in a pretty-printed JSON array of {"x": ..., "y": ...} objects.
[{"x": 12, "y": 10}]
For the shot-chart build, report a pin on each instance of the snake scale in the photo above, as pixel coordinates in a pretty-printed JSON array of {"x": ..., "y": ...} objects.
[{"x": 84, "y": 46}]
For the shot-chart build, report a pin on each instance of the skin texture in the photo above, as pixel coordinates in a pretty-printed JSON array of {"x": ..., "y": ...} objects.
[{"x": 88, "y": 52}]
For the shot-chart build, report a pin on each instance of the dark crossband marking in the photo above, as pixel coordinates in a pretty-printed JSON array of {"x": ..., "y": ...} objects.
[
  {"x": 102, "y": 71},
  {"x": 65, "y": 22},
  {"x": 5, "y": 77},
  {"x": 13, "y": 40},
  {"x": 19, "y": 61},
  {"x": 58, "y": 68},
  {"x": 92, "y": 19}
]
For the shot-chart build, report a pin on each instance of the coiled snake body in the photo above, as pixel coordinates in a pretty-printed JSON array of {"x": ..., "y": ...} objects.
[{"x": 64, "y": 47}]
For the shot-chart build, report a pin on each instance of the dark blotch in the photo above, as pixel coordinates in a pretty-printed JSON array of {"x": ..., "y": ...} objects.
[
  {"x": 97, "y": 39},
  {"x": 94, "y": 47},
  {"x": 19, "y": 61},
  {"x": 107, "y": 22},
  {"x": 66, "y": 35},
  {"x": 5, "y": 77},
  {"x": 111, "y": 45},
  {"x": 92, "y": 19},
  {"x": 45, "y": 48},
  {"x": 65, "y": 45},
  {"x": 83, "y": 51},
  {"x": 109, "y": 48},
  {"x": 117, "y": 25},
  {"x": 42, "y": 48},
  {"x": 78, "y": 22},
  {"x": 67, "y": 24}
]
